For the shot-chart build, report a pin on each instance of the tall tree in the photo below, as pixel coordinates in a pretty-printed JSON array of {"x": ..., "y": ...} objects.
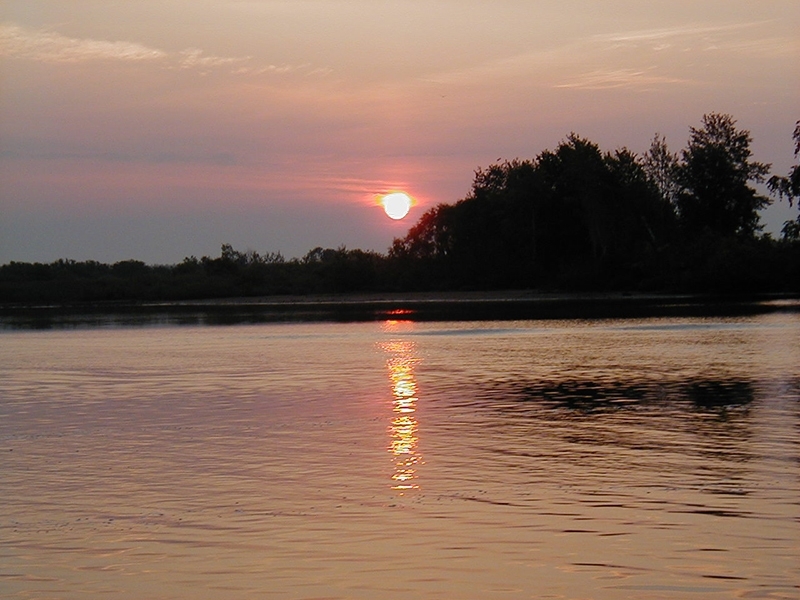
[
  {"x": 644, "y": 215},
  {"x": 576, "y": 215},
  {"x": 715, "y": 175}
]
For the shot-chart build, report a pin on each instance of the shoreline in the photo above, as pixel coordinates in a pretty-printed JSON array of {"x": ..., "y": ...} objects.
[{"x": 417, "y": 306}]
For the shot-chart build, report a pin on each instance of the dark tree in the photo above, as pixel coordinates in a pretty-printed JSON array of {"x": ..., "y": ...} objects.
[
  {"x": 661, "y": 167},
  {"x": 429, "y": 239},
  {"x": 789, "y": 187},
  {"x": 576, "y": 218},
  {"x": 602, "y": 218},
  {"x": 573, "y": 216},
  {"x": 715, "y": 175},
  {"x": 644, "y": 215}
]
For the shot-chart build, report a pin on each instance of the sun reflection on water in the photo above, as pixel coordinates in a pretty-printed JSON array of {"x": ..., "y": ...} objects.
[{"x": 402, "y": 358}]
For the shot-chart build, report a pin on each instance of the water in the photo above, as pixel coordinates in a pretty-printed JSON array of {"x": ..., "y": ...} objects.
[{"x": 642, "y": 458}]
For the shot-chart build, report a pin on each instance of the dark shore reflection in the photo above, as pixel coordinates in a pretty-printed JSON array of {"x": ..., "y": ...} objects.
[
  {"x": 400, "y": 362},
  {"x": 714, "y": 416},
  {"x": 424, "y": 307},
  {"x": 598, "y": 395}
]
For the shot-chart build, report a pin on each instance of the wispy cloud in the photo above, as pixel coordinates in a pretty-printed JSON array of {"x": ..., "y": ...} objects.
[
  {"x": 639, "y": 60},
  {"x": 604, "y": 79},
  {"x": 755, "y": 38},
  {"x": 48, "y": 46},
  {"x": 194, "y": 57},
  {"x": 658, "y": 50},
  {"x": 662, "y": 35},
  {"x": 51, "y": 47}
]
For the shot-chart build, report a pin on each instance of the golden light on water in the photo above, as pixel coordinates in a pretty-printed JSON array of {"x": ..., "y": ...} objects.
[{"x": 404, "y": 426}]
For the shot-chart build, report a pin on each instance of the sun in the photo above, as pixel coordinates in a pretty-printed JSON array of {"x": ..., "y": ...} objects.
[{"x": 396, "y": 205}]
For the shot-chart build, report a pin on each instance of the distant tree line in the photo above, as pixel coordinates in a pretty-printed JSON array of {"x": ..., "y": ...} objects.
[
  {"x": 574, "y": 218},
  {"x": 232, "y": 274}
]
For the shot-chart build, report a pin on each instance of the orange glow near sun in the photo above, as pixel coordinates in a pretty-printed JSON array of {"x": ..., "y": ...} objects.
[{"x": 396, "y": 205}]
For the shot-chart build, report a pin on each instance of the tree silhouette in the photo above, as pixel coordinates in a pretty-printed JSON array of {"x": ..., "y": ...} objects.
[
  {"x": 572, "y": 218},
  {"x": 661, "y": 167},
  {"x": 573, "y": 215},
  {"x": 789, "y": 187},
  {"x": 715, "y": 173}
]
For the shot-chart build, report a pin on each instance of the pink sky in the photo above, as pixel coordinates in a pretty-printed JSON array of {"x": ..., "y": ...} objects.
[{"x": 158, "y": 130}]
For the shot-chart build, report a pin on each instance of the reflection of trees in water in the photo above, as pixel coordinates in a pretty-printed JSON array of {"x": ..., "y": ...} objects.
[
  {"x": 720, "y": 394},
  {"x": 401, "y": 361},
  {"x": 714, "y": 413},
  {"x": 600, "y": 395}
]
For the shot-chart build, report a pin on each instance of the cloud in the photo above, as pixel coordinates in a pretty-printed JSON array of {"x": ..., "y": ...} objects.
[
  {"x": 193, "y": 57},
  {"x": 47, "y": 46},
  {"x": 50, "y": 47},
  {"x": 757, "y": 38},
  {"x": 657, "y": 48},
  {"x": 623, "y": 49},
  {"x": 662, "y": 35},
  {"x": 604, "y": 79}
]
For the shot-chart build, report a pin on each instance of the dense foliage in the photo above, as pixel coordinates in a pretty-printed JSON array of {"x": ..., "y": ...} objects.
[
  {"x": 574, "y": 218},
  {"x": 580, "y": 219}
]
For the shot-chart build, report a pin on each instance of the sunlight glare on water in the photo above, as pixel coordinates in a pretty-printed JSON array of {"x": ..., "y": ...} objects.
[
  {"x": 400, "y": 363},
  {"x": 649, "y": 458}
]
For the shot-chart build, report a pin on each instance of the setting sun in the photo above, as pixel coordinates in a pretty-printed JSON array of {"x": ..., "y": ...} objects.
[{"x": 396, "y": 205}]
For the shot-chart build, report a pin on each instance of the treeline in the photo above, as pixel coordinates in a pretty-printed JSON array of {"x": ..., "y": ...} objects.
[
  {"x": 580, "y": 219},
  {"x": 232, "y": 274},
  {"x": 574, "y": 218}
]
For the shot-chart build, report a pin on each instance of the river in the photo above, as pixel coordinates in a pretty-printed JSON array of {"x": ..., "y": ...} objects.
[{"x": 605, "y": 458}]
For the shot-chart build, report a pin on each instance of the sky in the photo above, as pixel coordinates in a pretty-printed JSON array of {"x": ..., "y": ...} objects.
[{"x": 157, "y": 130}]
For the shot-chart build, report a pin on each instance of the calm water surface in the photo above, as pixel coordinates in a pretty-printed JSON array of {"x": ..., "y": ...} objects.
[{"x": 655, "y": 458}]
